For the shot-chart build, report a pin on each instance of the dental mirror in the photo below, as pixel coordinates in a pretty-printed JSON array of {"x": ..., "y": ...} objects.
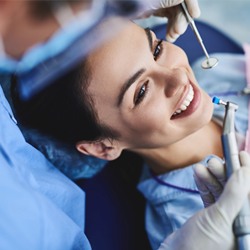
[{"x": 209, "y": 62}]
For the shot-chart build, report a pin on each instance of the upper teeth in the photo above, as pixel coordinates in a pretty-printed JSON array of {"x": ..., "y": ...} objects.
[{"x": 186, "y": 102}]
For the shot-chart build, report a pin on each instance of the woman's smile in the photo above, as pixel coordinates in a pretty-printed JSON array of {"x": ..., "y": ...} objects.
[{"x": 188, "y": 103}]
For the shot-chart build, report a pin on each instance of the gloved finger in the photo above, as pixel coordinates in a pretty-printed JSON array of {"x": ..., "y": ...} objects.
[
  {"x": 193, "y": 8},
  {"x": 235, "y": 193},
  {"x": 176, "y": 26},
  {"x": 156, "y": 4},
  {"x": 209, "y": 180},
  {"x": 244, "y": 158},
  {"x": 169, "y": 3},
  {"x": 217, "y": 168},
  {"x": 206, "y": 196}
]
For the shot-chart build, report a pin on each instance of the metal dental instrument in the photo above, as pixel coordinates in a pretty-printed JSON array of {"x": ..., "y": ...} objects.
[
  {"x": 209, "y": 62},
  {"x": 241, "y": 226}
]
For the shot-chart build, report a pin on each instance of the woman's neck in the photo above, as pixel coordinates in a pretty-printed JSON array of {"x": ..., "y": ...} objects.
[{"x": 192, "y": 149}]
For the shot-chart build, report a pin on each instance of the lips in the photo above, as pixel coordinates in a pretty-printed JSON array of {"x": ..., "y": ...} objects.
[{"x": 189, "y": 104}]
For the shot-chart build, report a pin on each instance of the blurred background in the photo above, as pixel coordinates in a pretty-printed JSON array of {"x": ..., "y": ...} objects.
[{"x": 230, "y": 16}]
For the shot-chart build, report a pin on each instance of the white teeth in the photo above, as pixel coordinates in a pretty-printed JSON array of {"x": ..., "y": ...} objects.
[
  {"x": 186, "y": 102},
  {"x": 183, "y": 107}
]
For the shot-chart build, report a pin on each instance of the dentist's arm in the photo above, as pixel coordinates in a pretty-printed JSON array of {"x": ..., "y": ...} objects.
[
  {"x": 211, "y": 228},
  {"x": 177, "y": 23}
]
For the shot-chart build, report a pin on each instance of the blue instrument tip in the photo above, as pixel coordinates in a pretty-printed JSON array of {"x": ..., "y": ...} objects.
[{"x": 216, "y": 100}]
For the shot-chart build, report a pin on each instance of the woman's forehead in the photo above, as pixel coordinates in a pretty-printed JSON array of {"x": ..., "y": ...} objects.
[
  {"x": 127, "y": 35},
  {"x": 113, "y": 63},
  {"x": 119, "y": 52}
]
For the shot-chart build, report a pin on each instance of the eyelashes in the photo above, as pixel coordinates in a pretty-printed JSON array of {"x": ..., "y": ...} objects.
[
  {"x": 140, "y": 95},
  {"x": 157, "y": 50}
]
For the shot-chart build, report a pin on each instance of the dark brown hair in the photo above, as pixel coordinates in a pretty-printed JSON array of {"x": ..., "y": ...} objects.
[{"x": 64, "y": 110}]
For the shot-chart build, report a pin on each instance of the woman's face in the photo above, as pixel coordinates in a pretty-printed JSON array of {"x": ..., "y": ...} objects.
[{"x": 145, "y": 90}]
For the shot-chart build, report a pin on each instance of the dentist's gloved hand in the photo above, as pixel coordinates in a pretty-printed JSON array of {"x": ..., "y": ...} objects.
[
  {"x": 177, "y": 23},
  {"x": 211, "y": 228},
  {"x": 211, "y": 180}
]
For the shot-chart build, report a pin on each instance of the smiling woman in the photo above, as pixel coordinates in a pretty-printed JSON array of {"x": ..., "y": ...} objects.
[
  {"x": 151, "y": 81},
  {"x": 136, "y": 93}
]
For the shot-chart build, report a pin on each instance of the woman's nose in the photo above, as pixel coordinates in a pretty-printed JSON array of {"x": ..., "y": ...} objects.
[{"x": 173, "y": 80}]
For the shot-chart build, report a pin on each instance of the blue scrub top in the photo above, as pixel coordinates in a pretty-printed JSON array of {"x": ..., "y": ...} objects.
[{"x": 40, "y": 208}]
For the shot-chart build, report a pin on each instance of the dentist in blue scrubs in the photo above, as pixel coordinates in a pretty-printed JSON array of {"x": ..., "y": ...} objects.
[{"x": 40, "y": 208}]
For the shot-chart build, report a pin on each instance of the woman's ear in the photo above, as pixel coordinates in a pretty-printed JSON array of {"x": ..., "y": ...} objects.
[{"x": 104, "y": 149}]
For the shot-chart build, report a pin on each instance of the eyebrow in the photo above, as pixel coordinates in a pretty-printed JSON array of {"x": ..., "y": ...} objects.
[
  {"x": 150, "y": 38},
  {"x": 135, "y": 76}
]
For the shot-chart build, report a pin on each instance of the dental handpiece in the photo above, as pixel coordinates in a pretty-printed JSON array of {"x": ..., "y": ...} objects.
[
  {"x": 241, "y": 226},
  {"x": 210, "y": 62}
]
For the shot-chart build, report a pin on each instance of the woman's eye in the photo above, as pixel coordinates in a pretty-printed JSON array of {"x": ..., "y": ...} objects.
[
  {"x": 158, "y": 50},
  {"x": 141, "y": 94}
]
